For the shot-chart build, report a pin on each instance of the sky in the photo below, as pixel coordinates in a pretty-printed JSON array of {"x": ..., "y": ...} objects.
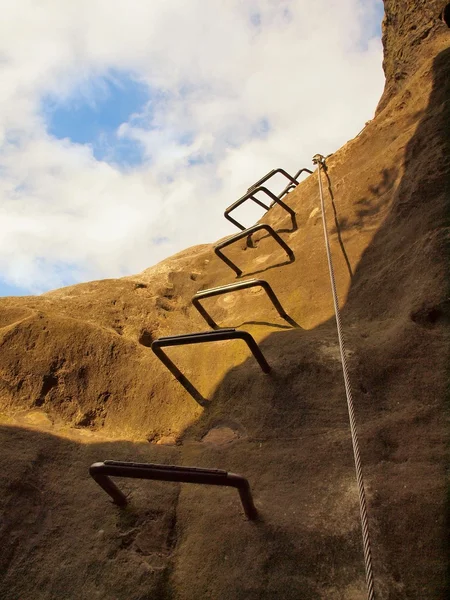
[{"x": 127, "y": 127}]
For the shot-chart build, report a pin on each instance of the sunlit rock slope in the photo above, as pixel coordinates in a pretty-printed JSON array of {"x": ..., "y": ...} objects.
[{"x": 79, "y": 383}]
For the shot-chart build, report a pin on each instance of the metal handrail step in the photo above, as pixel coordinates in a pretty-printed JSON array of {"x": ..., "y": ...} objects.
[
  {"x": 101, "y": 471},
  {"x": 232, "y": 287},
  {"x": 292, "y": 179},
  {"x": 207, "y": 336},
  {"x": 250, "y": 196},
  {"x": 198, "y": 338},
  {"x": 199, "y": 334},
  {"x": 245, "y": 233}
]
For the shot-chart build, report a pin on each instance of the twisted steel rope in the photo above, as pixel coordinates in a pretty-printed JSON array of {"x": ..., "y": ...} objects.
[{"x": 320, "y": 161}]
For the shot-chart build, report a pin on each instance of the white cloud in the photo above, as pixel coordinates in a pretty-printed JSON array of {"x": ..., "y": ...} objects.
[{"x": 218, "y": 70}]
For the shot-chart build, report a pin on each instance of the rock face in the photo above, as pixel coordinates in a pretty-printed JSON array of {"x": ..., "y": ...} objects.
[
  {"x": 406, "y": 28},
  {"x": 79, "y": 383}
]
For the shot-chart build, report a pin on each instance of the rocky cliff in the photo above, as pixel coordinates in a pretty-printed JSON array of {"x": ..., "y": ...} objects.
[{"x": 79, "y": 383}]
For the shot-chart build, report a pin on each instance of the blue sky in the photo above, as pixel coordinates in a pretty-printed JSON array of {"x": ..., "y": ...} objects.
[
  {"x": 7, "y": 289},
  {"x": 94, "y": 117},
  {"x": 375, "y": 19},
  {"x": 121, "y": 148}
]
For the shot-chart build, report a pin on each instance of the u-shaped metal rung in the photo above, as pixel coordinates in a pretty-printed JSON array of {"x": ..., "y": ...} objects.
[
  {"x": 245, "y": 233},
  {"x": 286, "y": 190},
  {"x": 271, "y": 174},
  {"x": 292, "y": 179},
  {"x": 250, "y": 196},
  {"x": 234, "y": 287},
  {"x": 101, "y": 471},
  {"x": 292, "y": 186},
  {"x": 199, "y": 338}
]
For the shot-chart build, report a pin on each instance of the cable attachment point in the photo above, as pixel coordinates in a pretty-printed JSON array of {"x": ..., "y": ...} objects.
[{"x": 318, "y": 159}]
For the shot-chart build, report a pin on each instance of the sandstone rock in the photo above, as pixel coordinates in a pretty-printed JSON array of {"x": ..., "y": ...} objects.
[{"x": 80, "y": 356}]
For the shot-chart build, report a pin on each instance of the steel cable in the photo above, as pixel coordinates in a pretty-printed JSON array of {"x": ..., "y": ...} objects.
[{"x": 320, "y": 161}]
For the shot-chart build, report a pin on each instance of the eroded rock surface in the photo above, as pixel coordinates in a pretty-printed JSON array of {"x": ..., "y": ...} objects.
[{"x": 79, "y": 383}]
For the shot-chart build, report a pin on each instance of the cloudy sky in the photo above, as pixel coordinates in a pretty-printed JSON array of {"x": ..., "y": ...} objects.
[{"x": 128, "y": 126}]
